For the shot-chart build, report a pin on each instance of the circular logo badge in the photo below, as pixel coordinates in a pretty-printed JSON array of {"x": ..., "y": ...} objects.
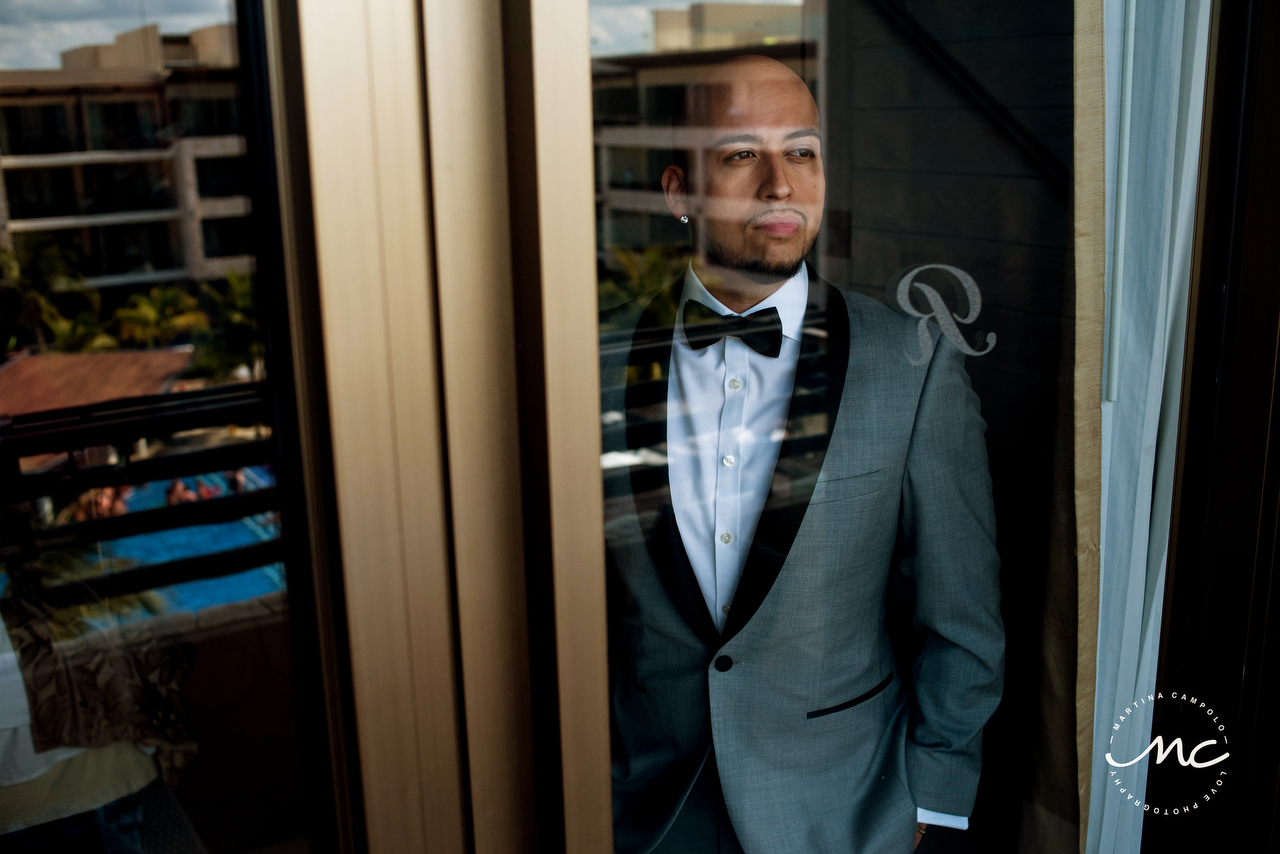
[{"x": 1187, "y": 759}]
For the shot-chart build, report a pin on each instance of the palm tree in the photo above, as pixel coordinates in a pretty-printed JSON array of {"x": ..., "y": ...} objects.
[
  {"x": 160, "y": 317},
  {"x": 82, "y": 333},
  {"x": 232, "y": 344},
  {"x": 646, "y": 271},
  {"x": 27, "y": 280}
]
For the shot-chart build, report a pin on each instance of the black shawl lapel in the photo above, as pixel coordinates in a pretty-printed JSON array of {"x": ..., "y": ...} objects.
[
  {"x": 819, "y": 385},
  {"x": 646, "y": 411}
]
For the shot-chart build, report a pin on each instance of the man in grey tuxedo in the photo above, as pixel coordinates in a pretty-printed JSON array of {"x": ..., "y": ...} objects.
[{"x": 772, "y": 455}]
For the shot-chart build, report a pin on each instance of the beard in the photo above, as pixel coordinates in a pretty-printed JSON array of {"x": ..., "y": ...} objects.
[{"x": 755, "y": 266}]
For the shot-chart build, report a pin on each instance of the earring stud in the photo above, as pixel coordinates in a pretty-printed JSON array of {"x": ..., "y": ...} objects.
[{"x": 684, "y": 218}]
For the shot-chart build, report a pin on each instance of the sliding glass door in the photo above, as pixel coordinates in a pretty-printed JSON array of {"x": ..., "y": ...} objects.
[{"x": 171, "y": 665}]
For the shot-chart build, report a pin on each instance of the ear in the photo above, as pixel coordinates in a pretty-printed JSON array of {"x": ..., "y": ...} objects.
[{"x": 675, "y": 190}]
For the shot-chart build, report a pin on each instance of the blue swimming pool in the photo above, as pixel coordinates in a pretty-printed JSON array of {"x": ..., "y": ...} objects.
[
  {"x": 203, "y": 539},
  {"x": 195, "y": 540}
]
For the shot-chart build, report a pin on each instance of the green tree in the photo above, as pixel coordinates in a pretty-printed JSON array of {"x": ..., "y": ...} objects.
[
  {"x": 30, "y": 275},
  {"x": 160, "y": 316},
  {"x": 233, "y": 337},
  {"x": 643, "y": 272},
  {"x": 84, "y": 331}
]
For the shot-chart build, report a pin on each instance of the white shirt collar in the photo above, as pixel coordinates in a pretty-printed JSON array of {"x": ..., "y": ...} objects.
[{"x": 790, "y": 300}]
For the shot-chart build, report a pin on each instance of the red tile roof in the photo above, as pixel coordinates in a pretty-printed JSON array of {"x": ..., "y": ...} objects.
[{"x": 57, "y": 380}]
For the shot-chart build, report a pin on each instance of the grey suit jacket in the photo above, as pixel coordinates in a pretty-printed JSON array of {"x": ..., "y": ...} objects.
[{"x": 821, "y": 746}]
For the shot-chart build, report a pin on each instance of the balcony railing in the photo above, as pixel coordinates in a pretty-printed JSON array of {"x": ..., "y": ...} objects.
[{"x": 120, "y": 425}]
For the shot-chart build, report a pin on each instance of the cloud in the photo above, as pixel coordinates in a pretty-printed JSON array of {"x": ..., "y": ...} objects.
[
  {"x": 619, "y": 29},
  {"x": 33, "y": 33},
  {"x": 81, "y": 11},
  {"x": 38, "y": 45}
]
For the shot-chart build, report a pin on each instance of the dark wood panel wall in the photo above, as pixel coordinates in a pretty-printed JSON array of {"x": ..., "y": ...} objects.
[{"x": 948, "y": 140}]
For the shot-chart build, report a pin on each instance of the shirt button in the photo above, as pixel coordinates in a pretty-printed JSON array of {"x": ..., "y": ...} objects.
[
  {"x": 724, "y": 608},
  {"x": 728, "y": 459},
  {"x": 735, "y": 383},
  {"x": 726, "y": 538}
]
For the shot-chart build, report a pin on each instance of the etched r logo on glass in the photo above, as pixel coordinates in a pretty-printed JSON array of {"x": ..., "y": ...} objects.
[{"x": 938, "y": 311}]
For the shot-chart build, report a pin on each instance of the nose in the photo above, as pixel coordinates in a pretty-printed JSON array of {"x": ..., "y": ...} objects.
[{"x": 775, "y": 185}]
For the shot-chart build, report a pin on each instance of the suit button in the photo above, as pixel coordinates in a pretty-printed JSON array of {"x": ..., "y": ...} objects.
[{"x": 723, "y": 663}]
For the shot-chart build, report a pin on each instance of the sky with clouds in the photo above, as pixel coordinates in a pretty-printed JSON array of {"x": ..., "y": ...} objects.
[
  {"x": 34, "y": 32},
  {"x": 621, "y": 27}
]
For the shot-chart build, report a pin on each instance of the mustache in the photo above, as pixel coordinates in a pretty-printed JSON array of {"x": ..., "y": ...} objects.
[{"x": 772, "y": 212}]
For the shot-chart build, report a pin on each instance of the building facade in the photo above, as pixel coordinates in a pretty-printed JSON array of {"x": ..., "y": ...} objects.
[{"x": 126, "y": 159}]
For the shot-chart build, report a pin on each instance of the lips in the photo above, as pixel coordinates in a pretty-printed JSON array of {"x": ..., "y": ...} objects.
[{"x": 782, "y": 224}]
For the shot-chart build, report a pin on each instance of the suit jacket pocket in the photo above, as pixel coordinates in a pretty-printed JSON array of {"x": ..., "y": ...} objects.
[
  {"x": 849, "y": 704},
  {"x": 844, "y": 488}
]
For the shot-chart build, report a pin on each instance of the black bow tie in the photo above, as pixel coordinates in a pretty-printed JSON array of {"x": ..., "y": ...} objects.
[{"x": 761, "y": 331}]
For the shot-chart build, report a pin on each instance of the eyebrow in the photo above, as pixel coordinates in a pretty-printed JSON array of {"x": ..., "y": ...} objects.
[{"x": 734, "y": 138}]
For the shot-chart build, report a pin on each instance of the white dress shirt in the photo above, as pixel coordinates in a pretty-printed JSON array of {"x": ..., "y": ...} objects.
[
  {"x": 726, "y": 415},
  {"x": 726, "y": 412}
]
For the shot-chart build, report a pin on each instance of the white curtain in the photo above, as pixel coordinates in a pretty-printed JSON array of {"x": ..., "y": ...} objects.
[{"x": 1155, "y": 54}]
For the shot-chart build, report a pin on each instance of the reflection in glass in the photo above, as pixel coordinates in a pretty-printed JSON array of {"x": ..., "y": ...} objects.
[
  {"x": 749, "y": 610},
  {"x": 121, "y": 216},
  {"x": 146, "y": 680}
]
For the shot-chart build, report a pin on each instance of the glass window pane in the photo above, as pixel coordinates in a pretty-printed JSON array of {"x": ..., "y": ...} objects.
[
  {"x": 834, "y": 253},
  {"x": 147, "y": 670}
]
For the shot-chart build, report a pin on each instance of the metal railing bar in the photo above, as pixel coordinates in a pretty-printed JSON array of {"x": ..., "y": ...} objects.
[
  {"x": 142, "y": 405},
  {"x": 63, "y": 223},
  {"x": 239, "y": 454},
  {"x": 207, "y": 512},
  {"x": 125, "y": 430},
  {"x": 215, "y": 565},
  {"x": 66, "y": 159}
]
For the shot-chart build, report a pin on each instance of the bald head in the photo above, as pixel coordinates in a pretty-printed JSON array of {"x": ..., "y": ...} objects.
[
  {"x": 756, "y": 187},
  {"x": 748, "y": 88}
]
